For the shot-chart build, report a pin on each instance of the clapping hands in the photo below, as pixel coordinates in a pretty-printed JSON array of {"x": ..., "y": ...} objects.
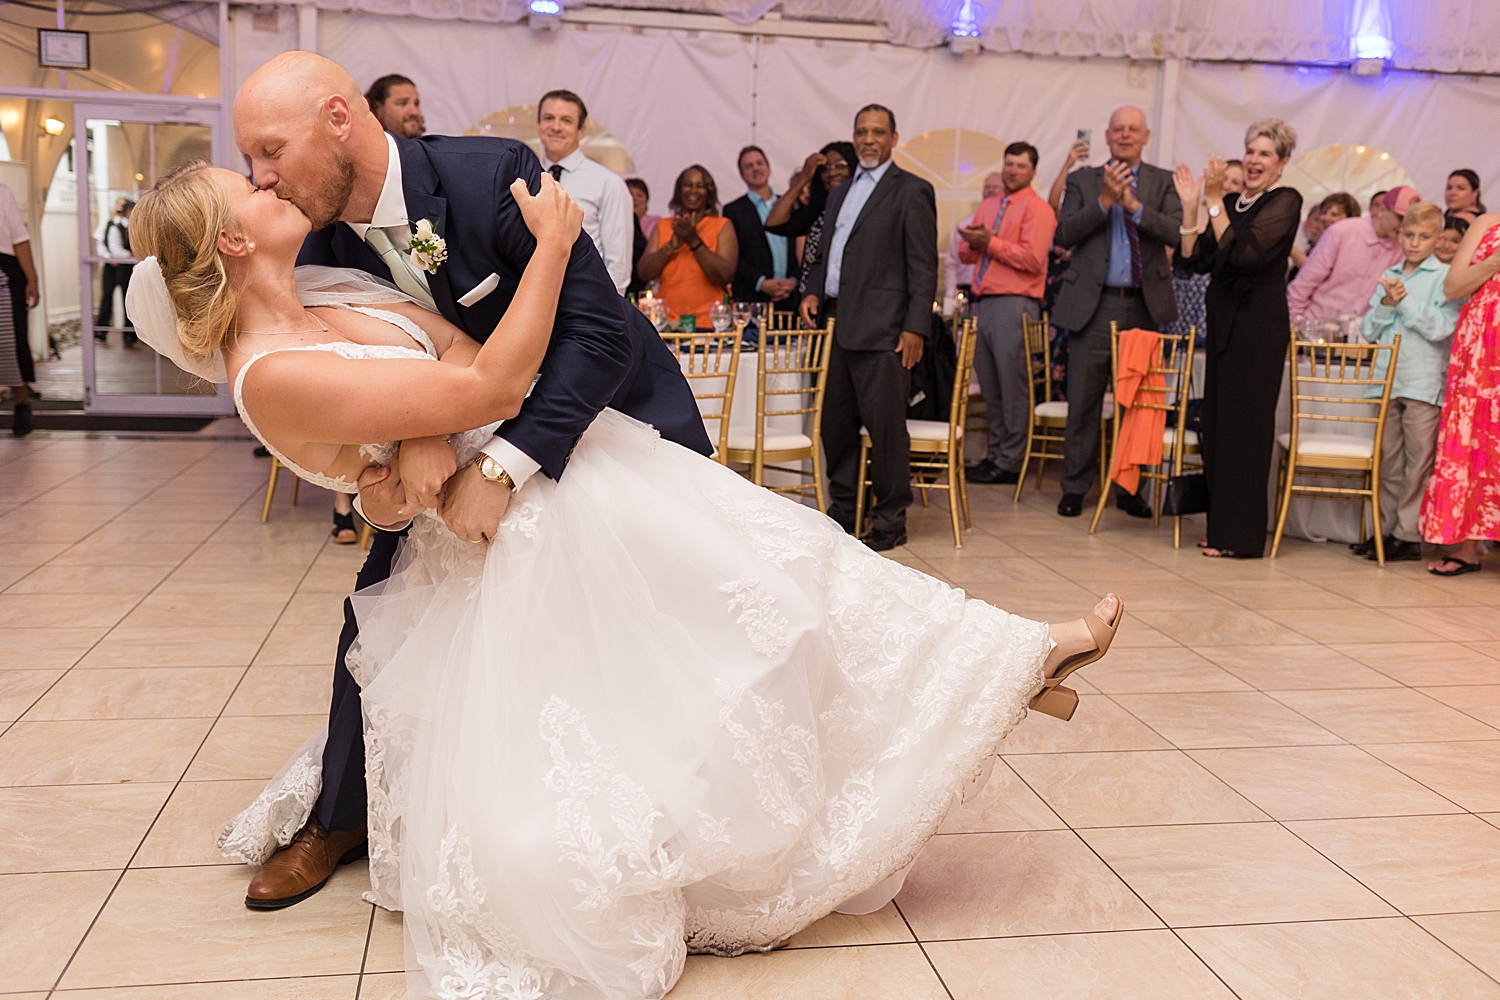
[
  {"x": 1395, "y": 291},
  {"x": 1189, "y": 188}
]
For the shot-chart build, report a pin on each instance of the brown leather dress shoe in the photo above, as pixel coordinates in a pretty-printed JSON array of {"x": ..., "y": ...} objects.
[{"x": 304, "y": 866}]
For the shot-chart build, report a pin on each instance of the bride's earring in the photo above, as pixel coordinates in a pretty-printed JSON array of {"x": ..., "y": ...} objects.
[{"x": 250, "y": 247}]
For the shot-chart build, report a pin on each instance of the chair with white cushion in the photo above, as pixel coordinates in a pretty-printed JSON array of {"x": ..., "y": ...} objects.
[
  {"x": 937, "y": 446},
  {"x": 791, "y": 375},
  {"x": 1332, "y": 369}
]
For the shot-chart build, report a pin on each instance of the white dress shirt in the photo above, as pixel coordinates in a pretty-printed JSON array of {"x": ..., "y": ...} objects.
[
  {"x": 607, "y": 210},
  {"x": 860, "y": 190},
  {"x": 390, "y": 213},
  {"x": 12, "y": 224}
]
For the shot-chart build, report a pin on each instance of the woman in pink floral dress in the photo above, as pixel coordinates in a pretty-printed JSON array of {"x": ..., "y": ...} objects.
[{"x": 1462, "y": 503}]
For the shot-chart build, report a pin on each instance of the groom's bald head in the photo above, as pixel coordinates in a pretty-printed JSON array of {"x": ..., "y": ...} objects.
[{"x": 307, "y": 132}]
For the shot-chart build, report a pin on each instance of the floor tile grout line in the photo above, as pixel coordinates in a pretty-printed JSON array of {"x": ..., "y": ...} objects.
[
  {"x": 207, "y": 734},
  {"x": 1133, "y": 891},
  {"x": 106, "y": 633},
  {"x": 364, "y": 958},
  {"x": 922, "y": 948},
  {"x": 1432, "y": 934}
]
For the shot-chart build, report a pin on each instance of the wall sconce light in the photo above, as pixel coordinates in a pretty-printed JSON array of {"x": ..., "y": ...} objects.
[{"x": 54, "y": 126}]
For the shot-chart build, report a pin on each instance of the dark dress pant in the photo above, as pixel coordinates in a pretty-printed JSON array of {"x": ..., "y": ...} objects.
[
  {"x": 1088, "y": 381},
  {"x": 11, "y": 265},
  {"x": 341, "y": 803},
  {"x": 869, "y": 389}
]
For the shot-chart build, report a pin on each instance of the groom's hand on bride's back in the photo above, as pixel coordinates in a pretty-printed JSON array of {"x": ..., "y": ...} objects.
[{"x": 473, "y": 506}]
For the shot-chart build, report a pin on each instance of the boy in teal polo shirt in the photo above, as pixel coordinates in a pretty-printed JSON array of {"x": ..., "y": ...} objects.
[{"x": 1409, "y": 300}]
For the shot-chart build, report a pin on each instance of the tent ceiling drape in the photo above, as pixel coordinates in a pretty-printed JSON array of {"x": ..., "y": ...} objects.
[{"x": 1460, "y": 36}]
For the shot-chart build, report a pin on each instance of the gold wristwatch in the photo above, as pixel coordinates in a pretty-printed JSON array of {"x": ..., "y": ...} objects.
[{"x": 494, "y": 471}]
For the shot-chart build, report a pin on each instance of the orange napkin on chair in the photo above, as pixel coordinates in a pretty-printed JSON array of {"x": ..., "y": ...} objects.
[{"x": 1141, "y": 429}]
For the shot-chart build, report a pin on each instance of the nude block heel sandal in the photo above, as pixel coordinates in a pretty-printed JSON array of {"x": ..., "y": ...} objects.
[{"x": 1061, "y": 702}]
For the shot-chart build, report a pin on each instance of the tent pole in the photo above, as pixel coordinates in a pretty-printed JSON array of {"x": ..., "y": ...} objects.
[{"x": 1166, "y": 113}]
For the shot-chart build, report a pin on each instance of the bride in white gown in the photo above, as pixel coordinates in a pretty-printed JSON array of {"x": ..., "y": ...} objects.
[{"x": 664, "y": 711}]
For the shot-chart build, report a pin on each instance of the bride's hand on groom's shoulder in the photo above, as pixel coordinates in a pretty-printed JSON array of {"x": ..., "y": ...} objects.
[
  {"x": 550, "y": 214},
  {"x": 426, "y": 466}
]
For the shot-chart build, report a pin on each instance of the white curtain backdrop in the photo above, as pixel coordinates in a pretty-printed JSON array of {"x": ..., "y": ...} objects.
[
  {"x": 1431, "y": 124},
  {"x": 1443, "y": 35},
  {"x": 678, "y": 98}
]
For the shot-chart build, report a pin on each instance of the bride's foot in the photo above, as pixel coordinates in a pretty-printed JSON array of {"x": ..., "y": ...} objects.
[{"x": 1078, "y": 643}]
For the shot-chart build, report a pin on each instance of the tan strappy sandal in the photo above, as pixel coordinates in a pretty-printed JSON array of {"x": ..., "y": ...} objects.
[{"x": 1061, "y": 702}]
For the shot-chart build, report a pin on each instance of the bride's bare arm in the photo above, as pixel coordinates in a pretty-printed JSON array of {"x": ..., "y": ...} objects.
[{"x": 317, "y": 396}]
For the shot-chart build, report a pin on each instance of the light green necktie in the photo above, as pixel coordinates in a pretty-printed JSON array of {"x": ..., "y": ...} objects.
[{"x": 402, "y": 272}]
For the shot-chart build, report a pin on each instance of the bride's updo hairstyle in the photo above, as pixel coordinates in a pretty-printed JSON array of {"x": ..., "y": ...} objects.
[{"x": 179, "y": 221}]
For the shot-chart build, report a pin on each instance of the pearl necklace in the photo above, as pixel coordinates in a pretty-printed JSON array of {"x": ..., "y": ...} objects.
[{"x": 1242, "y": 206}]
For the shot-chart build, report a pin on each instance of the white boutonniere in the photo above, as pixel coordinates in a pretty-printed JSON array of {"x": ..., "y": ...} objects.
[{"x": 428, "y": 250}]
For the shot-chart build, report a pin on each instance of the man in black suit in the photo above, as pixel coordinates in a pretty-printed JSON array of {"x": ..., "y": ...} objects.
[
  {"x": 876, "y": 275},
  {"x": 765, "y": 258},
  {"x": 363, "y": 190},
  {"x": 1119, "y": 220}
]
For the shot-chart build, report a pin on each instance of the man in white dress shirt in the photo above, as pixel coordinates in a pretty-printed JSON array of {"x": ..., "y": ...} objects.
[
  {"x": 955, "y": 272},
  {"x": 599, "y": 191}
]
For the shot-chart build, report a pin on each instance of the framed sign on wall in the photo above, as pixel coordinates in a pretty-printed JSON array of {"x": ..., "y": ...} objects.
[{"x": 62, "y": 49}]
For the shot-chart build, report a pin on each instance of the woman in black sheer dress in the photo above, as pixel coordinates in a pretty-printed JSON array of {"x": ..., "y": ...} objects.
[{"x": 1244, "y": 245}]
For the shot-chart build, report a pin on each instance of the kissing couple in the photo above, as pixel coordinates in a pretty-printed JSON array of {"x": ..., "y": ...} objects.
[{"x": 599, "y": 701}]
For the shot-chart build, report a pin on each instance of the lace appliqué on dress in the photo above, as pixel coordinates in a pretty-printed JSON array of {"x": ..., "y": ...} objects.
[
  {"x": 477, "y": 956},
  {"x": 764, "y": 625},
  {"x": 280, "y": 810}
]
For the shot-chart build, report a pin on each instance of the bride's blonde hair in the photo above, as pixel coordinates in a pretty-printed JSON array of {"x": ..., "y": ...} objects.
[{"x": 178, "y": 221}]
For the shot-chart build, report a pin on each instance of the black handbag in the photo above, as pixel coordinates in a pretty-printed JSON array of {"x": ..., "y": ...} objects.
[{"x": 1185, "y": 495}]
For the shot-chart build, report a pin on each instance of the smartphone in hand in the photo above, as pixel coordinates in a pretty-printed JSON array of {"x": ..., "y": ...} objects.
[{"x": 1086, "y": 136}]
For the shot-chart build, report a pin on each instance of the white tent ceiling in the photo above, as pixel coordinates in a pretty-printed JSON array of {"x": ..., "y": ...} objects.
[{"x": 1442, "y": 35}]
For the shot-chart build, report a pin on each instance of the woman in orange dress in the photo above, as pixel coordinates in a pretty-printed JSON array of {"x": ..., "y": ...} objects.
[
  {"x": 693, "y": 252},
  {"x": 1462, "y": 503}
]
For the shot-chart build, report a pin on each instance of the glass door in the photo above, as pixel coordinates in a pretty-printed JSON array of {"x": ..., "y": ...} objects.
[{"x": 122, "y": 150}]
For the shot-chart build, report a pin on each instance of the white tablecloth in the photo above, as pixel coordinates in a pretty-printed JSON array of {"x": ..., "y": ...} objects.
[{"x": 742, "y": 413}]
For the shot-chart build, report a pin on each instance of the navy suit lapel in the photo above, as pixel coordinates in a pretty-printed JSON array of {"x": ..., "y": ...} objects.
[
  {"x": 419, "y": 183},
  {"x": 881, "y": 193}
]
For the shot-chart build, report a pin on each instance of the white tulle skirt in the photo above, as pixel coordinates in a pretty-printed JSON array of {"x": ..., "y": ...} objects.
[{"x": 665, "y": 712}]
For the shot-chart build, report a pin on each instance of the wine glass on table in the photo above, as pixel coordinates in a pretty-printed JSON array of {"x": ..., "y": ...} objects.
[{"x": 719, "y": 316}]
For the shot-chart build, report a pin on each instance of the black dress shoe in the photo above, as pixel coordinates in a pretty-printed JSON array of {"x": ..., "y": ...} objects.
[
  {"x": 884, "y": 541},
  {"x": 1071, "y": 505},
  {"x": 1367, "y": 547},
  {"x": 22, "y": 423},
  {"x": 261, "y": 451},
  {"x": 1132, "y": 504},
  {"x": 1398, "y": 551},
  {"x": 988, "y": 472}
]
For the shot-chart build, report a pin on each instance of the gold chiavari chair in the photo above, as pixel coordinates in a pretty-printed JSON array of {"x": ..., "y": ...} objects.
[
  {"x": 1046, "y": 434},
  {"x": 937, "y": 447},
  {"x": 1336, "y": 456},
  {"x": 711, "y": 364},
  {"x": 1174, "y": 362},
  {"x": 791, "y": 368},
  {"x": 276, "y": 467}
]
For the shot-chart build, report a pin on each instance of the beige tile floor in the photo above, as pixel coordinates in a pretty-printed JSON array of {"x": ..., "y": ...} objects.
[{"x": 1285, "y": 781}]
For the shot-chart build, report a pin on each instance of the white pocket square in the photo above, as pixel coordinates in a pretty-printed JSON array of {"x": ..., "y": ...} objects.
[{"x": 479, "y": 291}]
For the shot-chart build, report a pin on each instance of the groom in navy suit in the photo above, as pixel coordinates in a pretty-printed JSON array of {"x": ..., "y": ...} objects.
[{"x": 309, "y": 135}]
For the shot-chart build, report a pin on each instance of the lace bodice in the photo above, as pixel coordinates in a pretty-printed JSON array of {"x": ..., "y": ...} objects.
[{"x": 466, "y": 445}]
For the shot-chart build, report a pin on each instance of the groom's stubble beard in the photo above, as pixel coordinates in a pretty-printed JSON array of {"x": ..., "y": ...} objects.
[{"x": 325, "y": 205}]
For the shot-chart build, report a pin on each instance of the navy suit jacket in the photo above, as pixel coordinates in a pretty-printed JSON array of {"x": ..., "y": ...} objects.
[{"x": 603, "y": 352}]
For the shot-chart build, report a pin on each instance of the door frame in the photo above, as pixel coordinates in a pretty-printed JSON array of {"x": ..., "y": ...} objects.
[{"x": 129, "y": 108}]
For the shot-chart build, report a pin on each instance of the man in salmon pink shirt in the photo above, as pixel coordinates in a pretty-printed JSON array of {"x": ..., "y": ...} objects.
[
  {"x": 1346, "y": 264},
  {"x": 1007, "y": 243}
]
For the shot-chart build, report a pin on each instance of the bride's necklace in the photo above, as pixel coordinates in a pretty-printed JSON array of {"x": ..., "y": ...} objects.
[{"x": 322, "y": 328}]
